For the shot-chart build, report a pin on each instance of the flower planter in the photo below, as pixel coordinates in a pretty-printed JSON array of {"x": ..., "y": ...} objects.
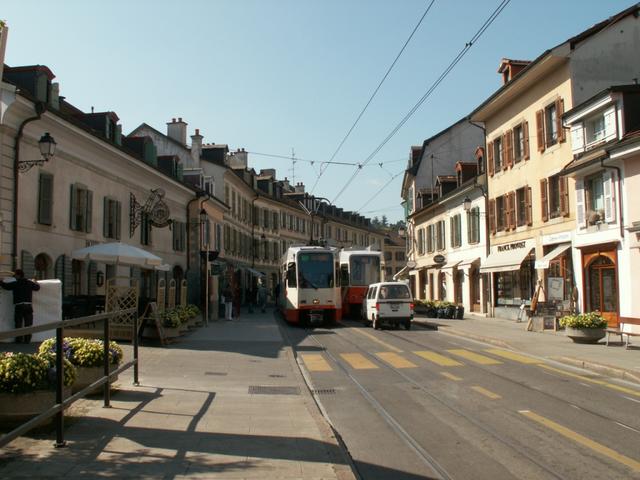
[
  {"x": 585, "y": 335},
  {"x": 451, "y": 311},
  {"x": 459, "y": 312},
  {"x": 432, "y": 312},
  {"x": 85, "y": 376},
  {"x": 169, "y": 332},
  {"x": 20, "y": 406}
]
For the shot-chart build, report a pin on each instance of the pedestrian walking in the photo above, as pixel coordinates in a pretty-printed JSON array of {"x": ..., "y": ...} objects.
[
  {"x": 262, "y": 297},
  {"x": 227, "y": 296},
  {"x": 22, "y": 295},
  {"x": 236, "y": 302}
]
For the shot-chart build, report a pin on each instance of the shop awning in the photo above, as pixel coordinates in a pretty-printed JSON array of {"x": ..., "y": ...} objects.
[
  {"x": 450, "y": 264},
  {"x": 471, "y": 261},
  {"x": 544, "y": 262},
  {"x": 505, "y": 261},
  {"x": 403, "y": 273},
  {"x": 254, "y": 272}
]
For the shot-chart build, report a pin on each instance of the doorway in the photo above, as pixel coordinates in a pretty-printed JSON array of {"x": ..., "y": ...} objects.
[{"x": 601, "y": 284}]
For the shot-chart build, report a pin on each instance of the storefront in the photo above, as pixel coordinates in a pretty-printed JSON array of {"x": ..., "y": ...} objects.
[
  {"x": 511, "y": 267},
  {"x": 556, "y": 270},
  {"x": 600, "y": 281}
]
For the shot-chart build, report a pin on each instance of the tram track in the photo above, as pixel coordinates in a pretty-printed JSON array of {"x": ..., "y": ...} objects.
[{"x": 404, "y": 435}]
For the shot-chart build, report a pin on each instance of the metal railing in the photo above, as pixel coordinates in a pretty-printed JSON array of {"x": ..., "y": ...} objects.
[{"x": 61, "y": 403}]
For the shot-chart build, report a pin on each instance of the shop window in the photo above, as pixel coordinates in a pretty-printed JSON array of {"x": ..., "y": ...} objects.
[
  {"x": 515, "y": 286},
  {"x": 561, "y": 267}
]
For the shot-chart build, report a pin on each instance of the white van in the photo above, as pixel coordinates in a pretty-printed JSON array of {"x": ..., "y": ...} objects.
[{"x": 388, "y": 303}]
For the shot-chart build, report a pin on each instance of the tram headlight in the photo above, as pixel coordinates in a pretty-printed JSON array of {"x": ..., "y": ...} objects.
[{"x": 316, "y": 301}]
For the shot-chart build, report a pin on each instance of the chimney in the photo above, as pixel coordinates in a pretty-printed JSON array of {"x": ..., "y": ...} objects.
[
  {"x": 177, "y": 130},
  {"x": 238, "y": 159},
  {"x": 285, "y": 183},
  {"x": 196, "y": 147},
  {"x": 300, "y": 187},
  {"x": 54, "y": 95},
  {"x": 510, "y": 68}
]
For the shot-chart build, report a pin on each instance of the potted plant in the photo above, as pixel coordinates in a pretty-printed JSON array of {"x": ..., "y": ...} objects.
[
  {"x": 86, "y": 355},
  {"x": 27, "y": 383},
  {"x": 432, "y": 310},
  {"x": 584, "y": 327}
]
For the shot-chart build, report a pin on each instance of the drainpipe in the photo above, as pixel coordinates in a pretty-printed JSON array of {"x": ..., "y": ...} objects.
[
  {"x": 617, "y": 169},
  {"x": 40, "y": 108}
]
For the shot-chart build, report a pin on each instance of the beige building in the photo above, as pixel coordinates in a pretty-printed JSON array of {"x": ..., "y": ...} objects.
[{"x": 531, "y": 208}]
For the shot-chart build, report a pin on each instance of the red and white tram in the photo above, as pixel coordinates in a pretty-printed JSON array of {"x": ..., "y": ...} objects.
[
  {"x": 358, "y": 270},
  {"x": 310, "y": 288}
]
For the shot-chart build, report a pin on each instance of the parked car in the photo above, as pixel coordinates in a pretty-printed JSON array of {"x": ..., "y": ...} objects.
[{"x": 388, "y": 303}]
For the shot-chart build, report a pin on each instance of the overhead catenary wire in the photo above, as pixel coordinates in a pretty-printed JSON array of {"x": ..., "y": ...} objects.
[
  {"x": 503, "y": 4},
  {"x": 375, "y": 92},
  {"x": 380, "y": 190},
  {"x": 313, "y": 162}
]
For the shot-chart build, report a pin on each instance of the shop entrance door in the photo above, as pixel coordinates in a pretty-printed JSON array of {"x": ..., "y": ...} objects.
[
  {"x": 601, "y": 285},
  {"x": 474, "y": 281}
]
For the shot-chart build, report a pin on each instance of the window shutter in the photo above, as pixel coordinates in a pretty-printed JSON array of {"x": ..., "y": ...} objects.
[
  {"x": 72, "y": 210},
  {"x": 512, "y": 210},
  {"x": 610, "y": 124},
  {"x": 559, "y": 112},
  {"x": 580, "y": 207},
  {"x": 544, "y": 204},
  {"x": 528, "y": 206},
  {"x": 564, "y": 196},
  {"x": 28, "y": 264},
  {"x": 469, "y": 232},
  {"x": 45, "y": 199},
  {"x": 540, "y": 129},
  {"x": 525, "y": 134},
  {"x": 504, "y": 151},
  {"x": 105, "y": 217},
  {"x": 609, "y": 205},
  {"x": 118, "y": 219},
  {"x": 509, "y": 149},
  {"x": 490, "y": 158},
  {"x": 89, "y": 211},
  {"x": 577, "y": 138},
  {"x": 492, "y": 216}
]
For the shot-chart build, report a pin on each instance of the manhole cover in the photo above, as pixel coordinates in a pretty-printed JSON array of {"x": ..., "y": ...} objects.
[
  {"x": 273, "y": 390},
  {"x": 216, "y": 374},
  {"x": 324, "y": 391}
]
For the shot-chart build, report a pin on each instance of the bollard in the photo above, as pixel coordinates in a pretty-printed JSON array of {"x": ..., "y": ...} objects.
[
  {"x": 60, "y": 443},
  {"x": 107, "y": 385}
]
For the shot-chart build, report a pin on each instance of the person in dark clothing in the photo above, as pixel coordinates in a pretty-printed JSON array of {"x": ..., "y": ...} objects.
[{"x": 22, "y": 294}]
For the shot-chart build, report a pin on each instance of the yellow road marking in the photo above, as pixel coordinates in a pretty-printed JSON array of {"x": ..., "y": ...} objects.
[
  {"x": 582, "y": 440},
  {"x": 395, "y": 360},
  {"x": 512, "y": 356},
  {"x": 474, "y": 357},
  {"x": 438, "y": 359},
  {"x": 612, "y": 386},
  {"x": 358, "y": 361},
  {"x": 372, "y": 337},
  {"x": 315, "y": 362},
  {"x": 485, "y": 392},
  {"x": 450, "y": 376}
]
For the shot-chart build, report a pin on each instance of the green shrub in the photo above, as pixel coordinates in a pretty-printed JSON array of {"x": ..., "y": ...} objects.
[
  {"x": 583, "y": 320},
  {"x": 84, "y": 352},
  {"x": 25, "y": 372}
]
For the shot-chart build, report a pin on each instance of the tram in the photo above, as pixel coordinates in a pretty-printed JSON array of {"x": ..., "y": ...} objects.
[
  {"x": 358, "y": 270},
  {"x": 310, "y": 288}
]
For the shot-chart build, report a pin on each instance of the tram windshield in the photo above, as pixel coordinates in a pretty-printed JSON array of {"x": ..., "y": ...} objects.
[
  {"x": 315, "y": 270},
  {"x": 364, "y": 269}
]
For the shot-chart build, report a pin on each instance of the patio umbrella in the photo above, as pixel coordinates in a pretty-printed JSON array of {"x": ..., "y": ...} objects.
[{"x": 118, "y": 253}]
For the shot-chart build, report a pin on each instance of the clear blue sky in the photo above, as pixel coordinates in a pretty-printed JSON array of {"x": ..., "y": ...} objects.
[{"x": 272, "y": 76}]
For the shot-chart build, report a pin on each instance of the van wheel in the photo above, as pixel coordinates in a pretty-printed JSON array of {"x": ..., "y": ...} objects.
[{"x": 376, "y": 322}]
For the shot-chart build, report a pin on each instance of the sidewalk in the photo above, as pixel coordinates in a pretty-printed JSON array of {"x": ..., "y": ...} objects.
[
  {"x": 614, "y": 360},
  {"x": 225, "y": 401}
]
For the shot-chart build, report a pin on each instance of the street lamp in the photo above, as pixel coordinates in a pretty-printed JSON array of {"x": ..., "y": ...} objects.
[
  {"x": 47, "y": 147},
  {"x": 204, "y": 245},
  {"x": 466, "y": 204}
]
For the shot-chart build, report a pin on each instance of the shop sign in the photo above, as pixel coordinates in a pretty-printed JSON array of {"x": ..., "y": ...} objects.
[
  {"x": 512, "y": 246},
  {"x": 439, "y": 259},
  {"x": 562, "y": 237}
]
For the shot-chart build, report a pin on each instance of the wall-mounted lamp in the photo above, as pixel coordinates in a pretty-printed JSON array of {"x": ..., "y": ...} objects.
[
  {"x": 100, "y": 279},
  {"x": 466, "y": 204},
  {"x": 47, "y": 149}
]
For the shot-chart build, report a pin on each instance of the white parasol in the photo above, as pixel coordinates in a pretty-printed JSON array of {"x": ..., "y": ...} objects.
[{"x": 119, "y": 254}]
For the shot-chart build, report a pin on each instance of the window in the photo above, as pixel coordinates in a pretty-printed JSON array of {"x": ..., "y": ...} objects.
[
  {"x": 274, "y": 224},
  {"x": 521, "y": 207},
  {"x": 388, "y": 271},
  {"x": 227, "y": 238},
  {"x": 554, "y": 196},
  {"x": 441, "y": 243},
  {"x": 473, "y": 225},
  {"x": 233, "y": 202},
  {"x": 226, "y": 195},
  {"x": 145, "y": 229},
  {"x": 549, "y": 125},
  {"x": 387, "y": 256},
  {"x": 431, "y": 238},
  {"x": 500, "y": 213},
  {"x": 598, "y": 193},
  {"x": 45, "y": 199},
  {"x": 421, "y": 241},
  {"x": 455, "y": 224},
  {"x": 497, "y": 154},
  {"x": 595, "y": 129},
  {"x": 179, "y": 232},
  {"x": 111, "y": 218},
  {"x": 218, "y": 242},
  {"x": 399, "y": 256},
  {"x": 518, "y": 143},
  {"x": 81, "y": 208}
]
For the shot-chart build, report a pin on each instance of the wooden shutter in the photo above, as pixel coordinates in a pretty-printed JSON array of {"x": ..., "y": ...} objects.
[
  {"x": 512, "y": 210},
  {"x": 92, "y": 274},
  {"x": 508, "y": 149},
  {"x": 72, "y": 208},
  {"x": 544, "y": 203},
  {"x": 528, "y": 206},
  {"x": 609, "y": 204},
  {"x": 504, "y": 151},
  {"x": 89, "y": 211},
  {"x": 577, "y": 138},
  {"x": 559, "y": 112},
  {"x": 490, "y": 158},
  {"x": 118, "y": 219},
  {"x": 581, "y": 219},
  {"x": 540, "y": 130},
  {"x": 492, "y": 216},
  {"x": 564, "y": 196},
  {"x": 45, "y": 199},
  {"x": 105, "y": 217},
  {"x": 525, "y": 134}
]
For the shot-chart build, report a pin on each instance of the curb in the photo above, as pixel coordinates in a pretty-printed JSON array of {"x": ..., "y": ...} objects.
[
  {"x": 600, "y": 368},
  {"x": 447, "y": 330}
]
